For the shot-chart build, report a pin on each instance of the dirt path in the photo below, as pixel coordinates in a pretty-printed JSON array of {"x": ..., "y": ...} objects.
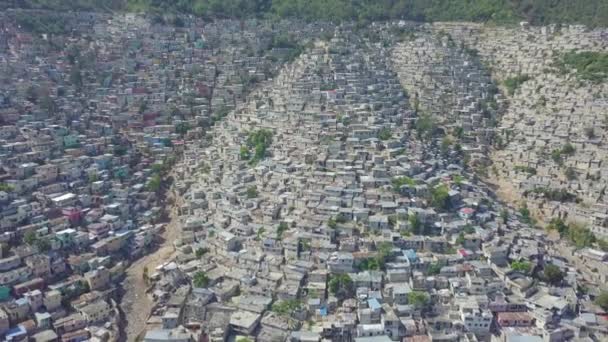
[{"x": 135, "y": 303}]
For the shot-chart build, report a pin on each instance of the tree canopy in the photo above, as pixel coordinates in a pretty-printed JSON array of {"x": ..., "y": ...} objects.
[
  {"x": 341, "y": 286},
  {"x": 552, "y": 274},
  {"x": 200, "y": 279},
  {"x": 589, "y": 12},
  {"x": 602, "y": 300},
  {"x": 521, "y": 266},
  {"x": 286, "y": 307},
  {"x": 256, "y": 145},
  {"x": 440, "y": 198},
  {"x": 418, "y": 299}
]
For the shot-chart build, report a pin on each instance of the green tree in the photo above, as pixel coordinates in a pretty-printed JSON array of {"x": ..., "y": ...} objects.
[
  {"x": 244, "y": 153},
  {"x": 434, "y": 268},
  {"x": 200, "y": 280},
  {"x": 577, "y": 235},
  {"x": 459, "y": 132},
  {"x": 602, "y": 300},
  {"x": 468, "y": 229},
  {"x": 537, "y": 12},
  {"x": 458, "y": 179},
  {"x": 418, "y": 299},
  {"x": 504, "y": 215},
  {"x": 287, "y": 307},
  {"x": 384, "y": 253},
  {"x": 305, "y": 245},
  {"x": 425, "y": 127},
  {"x": 416, "y": 225},
  {"x": 602, "y": 244},
  {"x": 154, "y": 183},
  {"x": 201, "y": 251},
  {"x": 568, "y": 149},
  {"x": 521, "y": 266},
  {"x": 30, "y": 238},
  {"x": 440, "y": 198},
  {"x": 369, "y": 264},
  {"x": 281, "y": 228},
  {"x": 556, "y": 156},
  {"x": 260, "y": 233},
  {"x": 591, "y": 66},
  {"x": 570, "y": 173},
  {"x": 341, "y": 286},
  {"x": 559, "y": 225},
  {"x": 258, "y": 142},
  {"x": 525, "y": 213},
  {"x": 252, "y": 192},
  {"x": 398, "y": 182},
  {"x": 552, "y": 274},
  {"x": 76, "y": 78},
  {"x": 43, "y": 245},
  {"x": 5, "y": 187},
  {"x": 182, "y": 128},
  {"x": 446, "y": 143},
  {"x": 513, "y": 83},
  {"x": 120, "y": 150},
  {"x": 460, "y": 240},
  {"x": 48, "y": 104},
  {"x": 580, "y": 237},
  {"x": 385, "y": 134},
  {"x": 31, "y": 94}
]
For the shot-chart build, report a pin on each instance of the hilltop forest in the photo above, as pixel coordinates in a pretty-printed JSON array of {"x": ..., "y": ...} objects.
[{"x": 588, "y": 12}]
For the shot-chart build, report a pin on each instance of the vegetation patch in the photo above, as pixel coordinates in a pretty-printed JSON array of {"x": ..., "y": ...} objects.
[
  {"x": 513, "y": 83},
  {"x": 418, "y": 299},
  {"x": 521, "y": 266},
  {"x": 200, "y": 279},
  {"x": 286, "y": 307},
  {"x": 398, "y": 182},
  {"x": 527, "y": 169},
  {"x": 341, "y": 286},
  {"x": 590, "y": 66},
  {"x": 559, "y": 195},
  {"x": 538, "y": 12},
  {"x": 425, "y": 127},
  {"x": 385, "y": 134},
  {"x": 440, "y": 198},
  {"x": 50, "y": 23},
  {"x": 579, "y": 236},
  {"x": 256, "y": 146}
]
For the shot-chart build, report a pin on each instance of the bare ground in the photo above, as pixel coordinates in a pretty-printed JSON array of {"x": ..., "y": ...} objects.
[{"x": 136, "y": 304}]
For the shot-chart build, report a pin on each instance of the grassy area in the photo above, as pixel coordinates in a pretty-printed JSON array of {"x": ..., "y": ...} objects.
[
  {"x": 578, "y": 236},
  {"x": 513, "y": 83},
  {"x": 591, "y": 66}
]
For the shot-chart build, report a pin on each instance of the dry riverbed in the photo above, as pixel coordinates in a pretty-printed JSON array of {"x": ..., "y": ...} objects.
[{"x": 136, "y": 304}]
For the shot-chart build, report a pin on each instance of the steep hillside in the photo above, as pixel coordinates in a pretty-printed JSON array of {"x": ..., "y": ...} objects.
[
  {"x": 551, "y": 139},
  {"x": 589, "y": 12}
]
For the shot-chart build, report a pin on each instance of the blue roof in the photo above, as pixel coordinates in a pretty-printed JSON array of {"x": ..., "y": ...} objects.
[
  {"x": 410, "y": 254},
  {"x": 21, "y": 301},
  {"x": 17, "y": 331},
  {"x": 381, "y": 338},
  {"x": 374, "y": 304},
  {"x": 523, "y": 338},
  {"x": 323, "y": 311}
]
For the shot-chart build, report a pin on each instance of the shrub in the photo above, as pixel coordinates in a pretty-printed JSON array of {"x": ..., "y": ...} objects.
[{"x": 513, "y": 83}]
